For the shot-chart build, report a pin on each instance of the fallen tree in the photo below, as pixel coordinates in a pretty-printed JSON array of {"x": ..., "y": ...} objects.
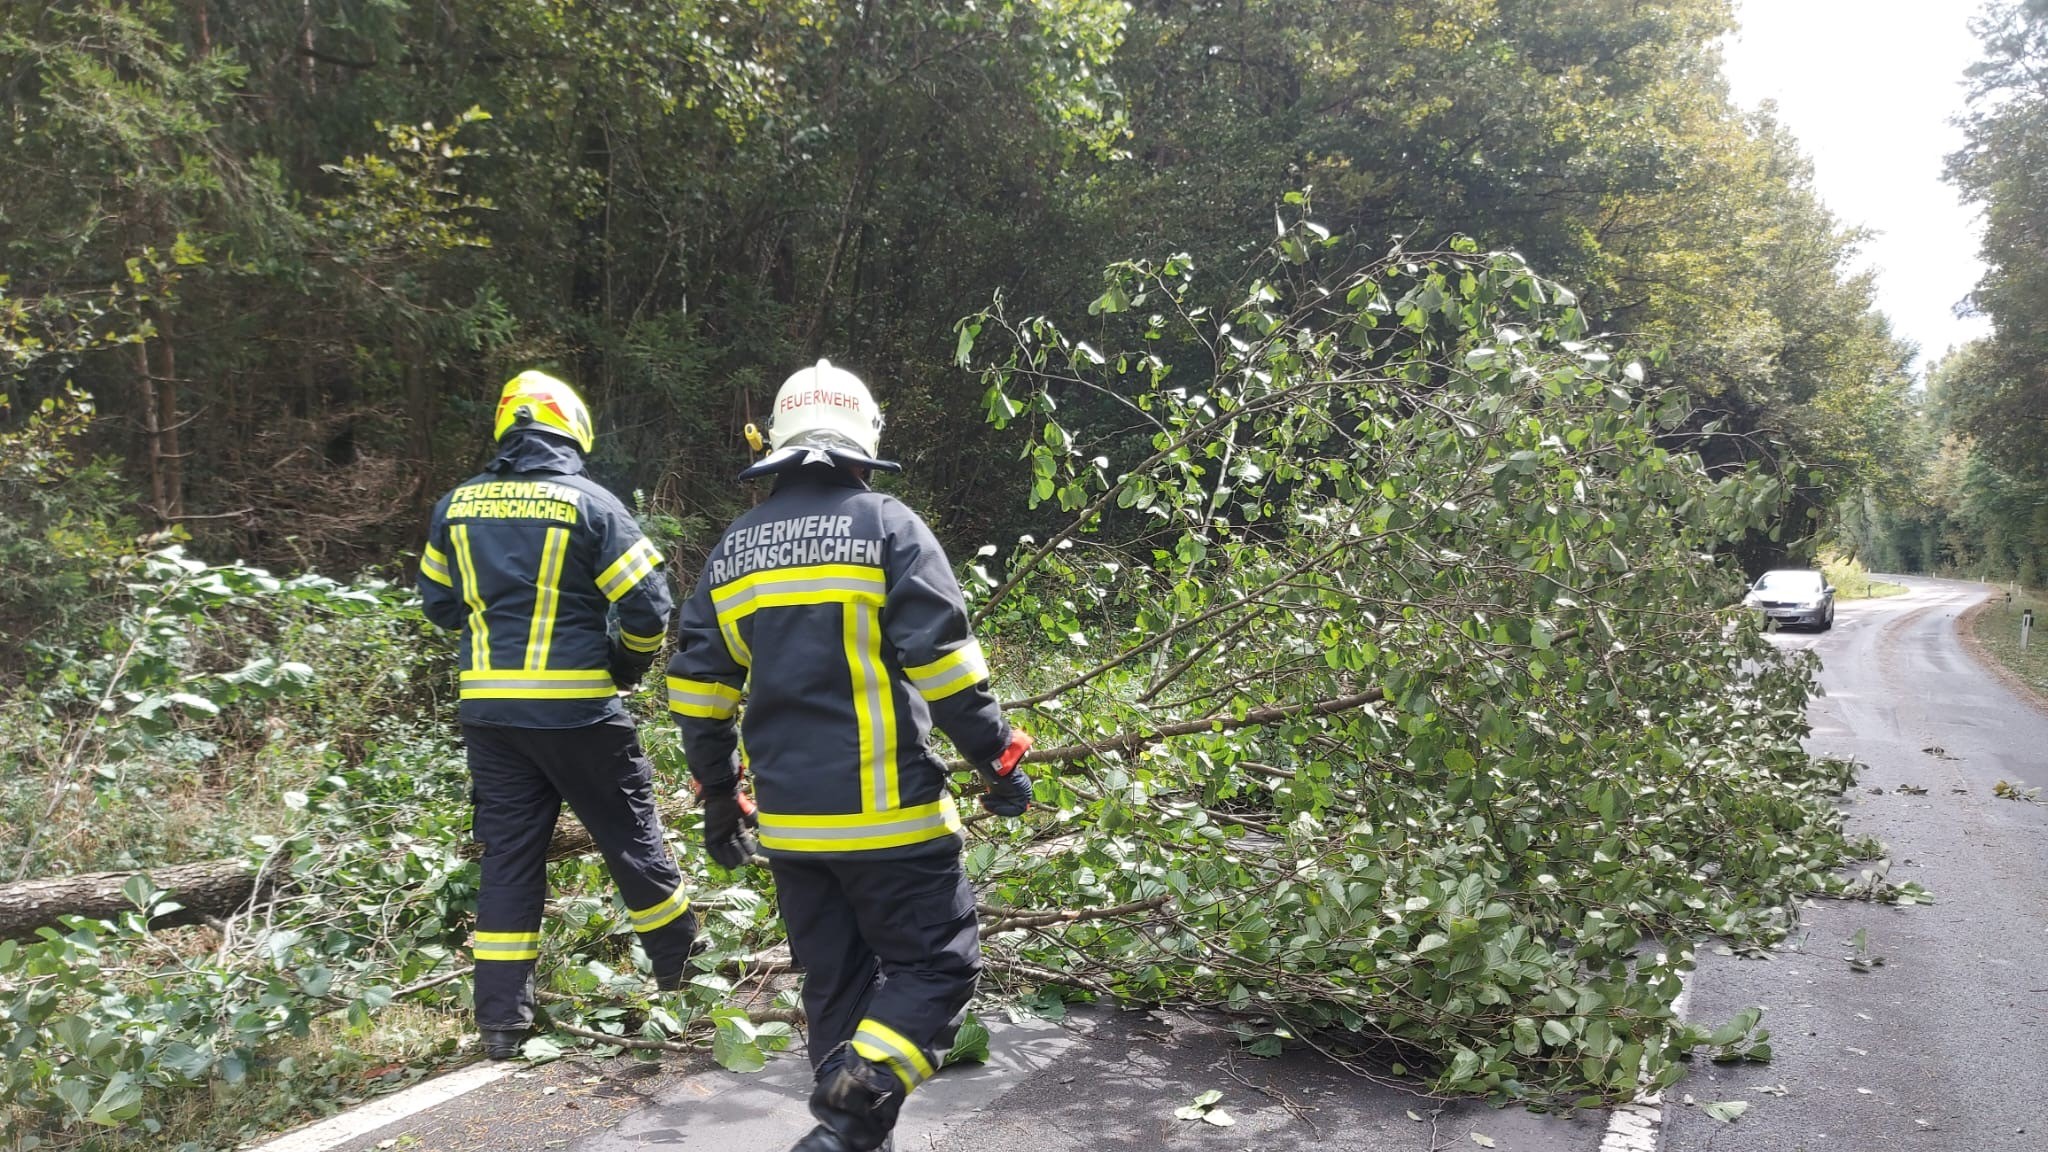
[
  {"x": 217, "y": 889},
  {"x": 1385, "y": 688},
  {"x": 210, "y": 889}
]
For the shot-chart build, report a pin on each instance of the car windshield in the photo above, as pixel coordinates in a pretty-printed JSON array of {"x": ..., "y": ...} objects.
[{"x": 1789, "y": 581}]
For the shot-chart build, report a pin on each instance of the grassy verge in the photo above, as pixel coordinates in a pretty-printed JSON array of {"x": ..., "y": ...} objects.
[
  {"x": 1997, "y": 631},
  {"x": 1853, "y": 582}
]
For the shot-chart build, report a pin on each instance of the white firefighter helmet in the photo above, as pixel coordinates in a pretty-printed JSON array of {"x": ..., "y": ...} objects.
[{"x": 823, "y": 414}]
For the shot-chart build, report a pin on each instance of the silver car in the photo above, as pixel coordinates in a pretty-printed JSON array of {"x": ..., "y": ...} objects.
[{"x": 1799, "y": 596}]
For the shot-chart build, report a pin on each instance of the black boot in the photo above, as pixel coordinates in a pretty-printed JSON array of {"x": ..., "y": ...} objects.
[
  {"x": 504, "y": 1043},
  {"x": 674, "y": 956},
  {"x": 823, "y": 1139},
  {"x": 856, "y": 1105}
]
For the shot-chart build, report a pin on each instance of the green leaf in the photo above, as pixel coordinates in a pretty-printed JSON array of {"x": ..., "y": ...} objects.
[
  {"x": 119, "y": 1103},
  {"x": 1726, "y": 1111},
  {"x": 735, "y": 1049},
  {"x": 970, "y": 1043}
]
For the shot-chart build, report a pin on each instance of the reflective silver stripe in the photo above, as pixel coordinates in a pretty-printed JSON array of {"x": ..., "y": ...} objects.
[
  {"x": 435, "y": 566},
  {"x": 628, "y": 569},
  {"x": 877, "y": 1041},
  {"x": 638, "y": 643},
  {"x": 660, "y": 915},
  {"x": 717, "y": 707},
  {"x": 771, "y": 826},
  {"x": 535, "y": 679},
  {"x": 959, "y": 676},
  {"x": 880, "y": 762},
  {"x": 730, "y": 603}
]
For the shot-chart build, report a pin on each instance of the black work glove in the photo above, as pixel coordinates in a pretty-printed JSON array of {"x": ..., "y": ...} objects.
[
  {"x": 729, "y": 821},
  {"x": 627, "y": 667},
  {"x": 1008, "y": 792}
]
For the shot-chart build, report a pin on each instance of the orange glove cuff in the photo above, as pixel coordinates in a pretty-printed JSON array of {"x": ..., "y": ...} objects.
[{"x": 1013, "y": 752}]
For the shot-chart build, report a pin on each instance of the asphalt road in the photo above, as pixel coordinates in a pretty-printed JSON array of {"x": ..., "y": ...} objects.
[{"x": 1943, "y": 1048}]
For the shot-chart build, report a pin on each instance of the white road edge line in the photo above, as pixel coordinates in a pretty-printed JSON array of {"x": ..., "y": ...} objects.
[
  {"x": 1638, "y": 1126},
  {"x": 360, "y": 1121}
]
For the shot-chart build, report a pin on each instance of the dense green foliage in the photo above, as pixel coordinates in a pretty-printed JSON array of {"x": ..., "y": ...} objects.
[
  {"x": 1360, "y": 583},
  {"x": 1350, "y": 658},
  {"x": 292, "y": 248},
  {"x": 1978, "y": 503}
]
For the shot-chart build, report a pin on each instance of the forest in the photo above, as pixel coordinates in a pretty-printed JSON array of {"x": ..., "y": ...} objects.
[
  {"x": 1353, "y": 421},
  {"x": 1974, "y": 493}
]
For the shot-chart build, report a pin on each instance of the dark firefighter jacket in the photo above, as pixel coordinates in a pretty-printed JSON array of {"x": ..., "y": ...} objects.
[
  {"x": 527, "y": 560},
  {"x": 832, "y": 607}
]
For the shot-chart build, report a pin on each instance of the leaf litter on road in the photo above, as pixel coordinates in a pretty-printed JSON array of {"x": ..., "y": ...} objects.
[{"x": 1860, "y": 957}]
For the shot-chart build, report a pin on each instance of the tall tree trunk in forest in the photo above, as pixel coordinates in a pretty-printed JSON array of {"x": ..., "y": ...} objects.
[
  {"x": 851, "y": 215},
  {"x": 419, "y": 410},
  {"x": 169, "y": 430},
  {"x": 160, "y": 433},
  {"x": 152, "y": 432}
]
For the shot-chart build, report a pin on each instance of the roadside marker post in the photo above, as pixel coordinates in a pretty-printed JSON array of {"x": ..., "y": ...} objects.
[{"x": 2026, "y": 627}]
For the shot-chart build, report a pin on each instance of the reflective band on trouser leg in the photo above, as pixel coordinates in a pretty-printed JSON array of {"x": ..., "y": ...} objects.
[
  {"x": 956, "y": 671},
  {"x": 704, "y": 699},
  {"x": 629, "y": 569},
  {"x": 547, "y": 596},
  {"x": 581, "y": 684},
  {"x": 860, "y": 831},
  {"x": 506, "y": 946},
  {"x": 479, "y": 627},
  {"x": 878, "y": 1042},
  {"x": 434, "y": 566},
  {"x": 660, "y": 915}
]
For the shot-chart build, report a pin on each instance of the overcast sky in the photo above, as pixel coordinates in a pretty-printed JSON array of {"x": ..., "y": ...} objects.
[{"x": 1869, "y": 88}]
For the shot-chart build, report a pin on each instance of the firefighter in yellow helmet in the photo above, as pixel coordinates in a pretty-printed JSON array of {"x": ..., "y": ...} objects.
[
  {"x": 562, "y": 604},
  {"x": 831, "y": 610}
]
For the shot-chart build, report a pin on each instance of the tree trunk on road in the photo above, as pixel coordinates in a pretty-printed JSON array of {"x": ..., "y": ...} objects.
[{"x": 209, "y": 889}]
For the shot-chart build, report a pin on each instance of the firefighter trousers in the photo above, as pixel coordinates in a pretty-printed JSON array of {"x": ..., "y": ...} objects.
[
  {"x": 890, "y": 951},
  {"x": 519, "y": 778}
]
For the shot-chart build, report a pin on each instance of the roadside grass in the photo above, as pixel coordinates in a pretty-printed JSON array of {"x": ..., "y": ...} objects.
[
  {"x": 1997, "y": 631},
  {"x": 1852, "y": 581},
  {"x": 336, "y": 1065}
]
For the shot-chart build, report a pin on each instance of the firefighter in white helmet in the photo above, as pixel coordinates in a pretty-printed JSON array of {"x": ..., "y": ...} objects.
[{"x": 831, "y": 612}]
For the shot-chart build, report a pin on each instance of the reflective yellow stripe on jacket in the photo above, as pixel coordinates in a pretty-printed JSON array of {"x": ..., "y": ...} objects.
[
  {"x": 434, "y": 566},
  {"x": 535, "y": 684},
  {"x": 547, "y": 597},
  {"x": 860, "y": 831},
  {"x": 629, "y": 569},
  {"x": 956, "y": 671},
  {"x": 704, "y": 699},
  {"x": 861, "y": 590},
  {"x": 635, "y": 643},
  {"x": 479, "y": 626}
]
